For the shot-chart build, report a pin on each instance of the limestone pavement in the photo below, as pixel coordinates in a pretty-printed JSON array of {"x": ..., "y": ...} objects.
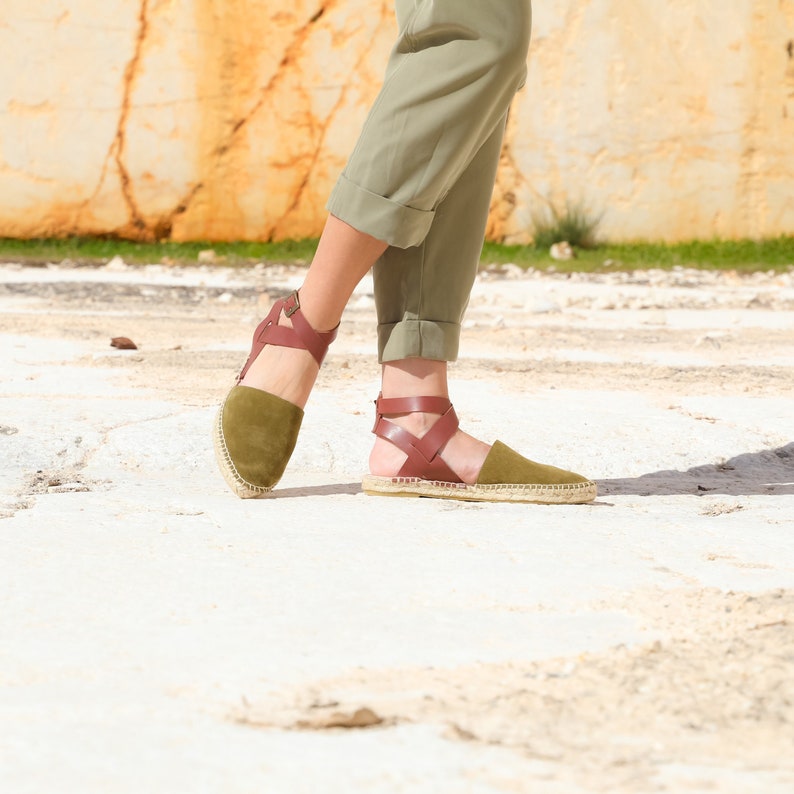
[{"x": 160, "y": 635}]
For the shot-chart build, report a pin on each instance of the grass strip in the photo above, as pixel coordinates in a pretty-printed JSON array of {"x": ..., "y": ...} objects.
[
  {"x": 741, "y": 255},
  {"x": 98, "y": 250},
  {"x": 745, "y": 256}
]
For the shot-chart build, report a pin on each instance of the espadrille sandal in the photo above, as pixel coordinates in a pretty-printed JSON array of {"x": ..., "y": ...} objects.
[
  {"x": 255, "y": 432},
  {"x": 505, "y": 476}
]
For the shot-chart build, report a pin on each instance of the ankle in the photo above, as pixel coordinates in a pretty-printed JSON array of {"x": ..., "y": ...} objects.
[
  {"x": 320, "y": 315},
  {"x": 415, "y": 377},
  {"x": 417, "y": 422}
]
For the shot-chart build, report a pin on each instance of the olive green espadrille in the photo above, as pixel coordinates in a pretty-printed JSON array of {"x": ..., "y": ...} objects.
[
  {"x": 505, "y": 475},
  {"x": 255, "y": 435},
  {"x": 255, "y": 432}
]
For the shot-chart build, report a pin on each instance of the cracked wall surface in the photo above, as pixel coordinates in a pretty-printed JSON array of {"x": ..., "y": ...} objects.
[{"x": 230, "y": 119}]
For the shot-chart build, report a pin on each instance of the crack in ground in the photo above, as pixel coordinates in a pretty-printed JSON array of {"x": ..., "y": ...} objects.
[{"x": 63, "y": 479}]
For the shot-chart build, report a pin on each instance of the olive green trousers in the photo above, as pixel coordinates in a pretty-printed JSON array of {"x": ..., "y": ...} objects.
[{"x": 421, "y": 175}]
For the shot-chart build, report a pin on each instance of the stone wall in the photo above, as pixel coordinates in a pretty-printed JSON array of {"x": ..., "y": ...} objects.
[{"x": 228, "y": 119}]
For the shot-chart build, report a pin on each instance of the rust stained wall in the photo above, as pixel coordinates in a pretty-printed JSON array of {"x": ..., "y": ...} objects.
[
  {"x": 289, "y": 96},
  {"x": 227, "y": 119},
  {"x": 674, "y": 120}
]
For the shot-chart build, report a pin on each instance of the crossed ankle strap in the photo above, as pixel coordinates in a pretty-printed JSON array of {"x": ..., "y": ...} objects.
[
  {"x": 301, "y": 336},
  {"x": 423, "y": 459}
]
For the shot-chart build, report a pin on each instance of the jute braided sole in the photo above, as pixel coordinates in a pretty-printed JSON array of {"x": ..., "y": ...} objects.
[
  {"x": 561, "y": 494},
  {"x": 240, "y": 486}
]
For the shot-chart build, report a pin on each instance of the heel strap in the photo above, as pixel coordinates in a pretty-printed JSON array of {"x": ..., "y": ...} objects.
[
  {"x": 409, "y": 405},
  {"x": 423, "y": 460},
  {"x": 301, "y": 336}
]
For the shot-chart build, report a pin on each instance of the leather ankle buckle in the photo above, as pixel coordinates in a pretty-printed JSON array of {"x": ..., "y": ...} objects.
[{"x": 291, "y": 304}]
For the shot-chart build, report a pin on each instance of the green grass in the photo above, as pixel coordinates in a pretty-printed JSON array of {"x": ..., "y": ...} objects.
[
  {"x": 93, "y": 250},
  {"x": 742, "y": 255},
  {"x": 574, "y": 224}
]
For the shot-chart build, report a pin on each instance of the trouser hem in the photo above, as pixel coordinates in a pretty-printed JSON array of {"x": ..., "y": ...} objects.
[
  {"x": 418, "y": 339},
  {"x": 377, "y": 216}
]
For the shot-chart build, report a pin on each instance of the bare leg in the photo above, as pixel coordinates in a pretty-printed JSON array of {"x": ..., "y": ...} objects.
[
  {"x": 413, "y": 377},
  {"x": 343, "y": 257}
]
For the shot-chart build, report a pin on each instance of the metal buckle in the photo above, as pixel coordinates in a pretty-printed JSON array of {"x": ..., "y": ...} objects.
[{"x": 291, "y": 308}]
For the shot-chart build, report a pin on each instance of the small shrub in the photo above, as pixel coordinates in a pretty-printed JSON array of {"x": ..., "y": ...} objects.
[{"x": 573, "y": 224}]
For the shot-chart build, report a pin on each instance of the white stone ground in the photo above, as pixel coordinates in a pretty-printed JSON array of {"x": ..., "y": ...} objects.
[{"x": 159, "y": 635}]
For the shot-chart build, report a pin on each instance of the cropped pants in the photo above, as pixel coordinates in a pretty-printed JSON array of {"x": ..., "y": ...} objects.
[{"x": 421, "y": 175}]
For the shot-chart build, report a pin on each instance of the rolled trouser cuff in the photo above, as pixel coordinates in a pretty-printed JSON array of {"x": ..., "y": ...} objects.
[
  {"x": 418, "y": 339},
  {"x": 377, "y": 216}
]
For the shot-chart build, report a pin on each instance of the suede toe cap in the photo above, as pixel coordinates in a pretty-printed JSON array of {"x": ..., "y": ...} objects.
[
  {"x": 260, "y": 431},
  {"x": 504, "y": 465}
]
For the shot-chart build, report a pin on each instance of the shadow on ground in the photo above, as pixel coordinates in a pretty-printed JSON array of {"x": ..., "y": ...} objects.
[
  {"x": 766, "y": 473},
  {"x": 334, "y": 489}
]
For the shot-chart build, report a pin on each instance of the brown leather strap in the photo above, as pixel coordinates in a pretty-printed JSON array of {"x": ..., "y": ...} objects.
[
  {"x": 423, "y": 460},
  {"x": 301, "y": 336},
  {"x": 408, "y": 405}
]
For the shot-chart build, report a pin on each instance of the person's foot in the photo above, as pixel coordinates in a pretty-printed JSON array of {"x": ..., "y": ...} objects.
[
  {"x": 287, "y": 372},
  {"x": 463, "y": 453},
  {"x": 430, "y": 456},
  {"x": 259, "y": 420}
]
